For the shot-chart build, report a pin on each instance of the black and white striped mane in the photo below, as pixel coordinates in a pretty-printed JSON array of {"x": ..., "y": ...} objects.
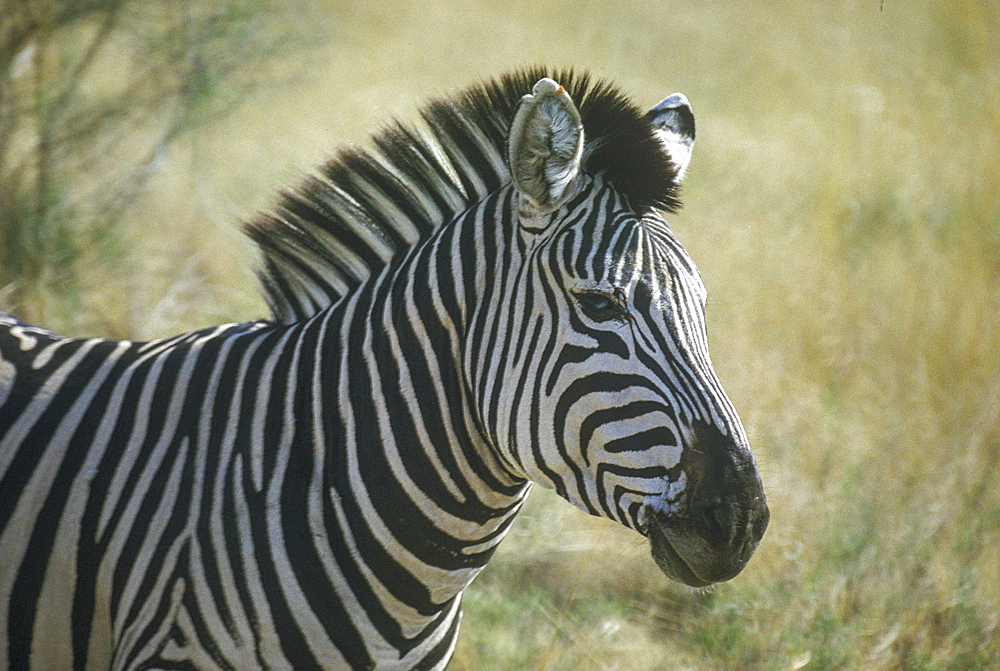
[{"x": 364, "y": 206}]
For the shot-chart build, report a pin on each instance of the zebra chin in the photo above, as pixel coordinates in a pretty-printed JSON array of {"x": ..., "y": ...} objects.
[{"x": 684, "y": 555}]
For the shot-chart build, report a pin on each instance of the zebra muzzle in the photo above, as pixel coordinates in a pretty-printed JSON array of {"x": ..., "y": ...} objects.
[{"x": 709, "y": 533}]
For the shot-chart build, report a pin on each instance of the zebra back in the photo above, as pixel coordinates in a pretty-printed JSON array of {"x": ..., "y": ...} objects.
[{"x": 363, "y": 207}]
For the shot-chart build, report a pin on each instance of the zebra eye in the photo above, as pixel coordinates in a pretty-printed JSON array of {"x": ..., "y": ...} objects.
[{"x": 598, "y": 306}]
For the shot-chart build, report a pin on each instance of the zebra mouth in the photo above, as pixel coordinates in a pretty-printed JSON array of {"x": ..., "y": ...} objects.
[{"x": 668, "y": 558}]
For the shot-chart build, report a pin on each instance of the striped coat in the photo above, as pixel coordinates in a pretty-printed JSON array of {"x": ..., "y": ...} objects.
[{"x": 458, "y": 313}]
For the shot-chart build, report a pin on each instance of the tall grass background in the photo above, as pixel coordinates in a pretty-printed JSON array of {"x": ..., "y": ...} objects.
[{"x": 843, "y": 205}]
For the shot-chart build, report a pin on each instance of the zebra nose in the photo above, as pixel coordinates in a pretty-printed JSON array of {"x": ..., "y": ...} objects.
[
  {"x": 730, "y": 530},
  {"x": 759, "y": 523},
  {"x": 728, "y": 509},
  {"x": 712, "y": 520},
  {"x": 749, "y": 538},
  {"x": 737, "y": 524}
]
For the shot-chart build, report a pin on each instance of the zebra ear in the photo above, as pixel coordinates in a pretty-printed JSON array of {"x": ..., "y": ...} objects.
[
  {"x": 673, "y": 125},
  {"x": 545, "y": 146}
]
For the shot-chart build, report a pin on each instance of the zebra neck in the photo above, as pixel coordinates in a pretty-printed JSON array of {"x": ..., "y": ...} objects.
[{"x": 412, "y": 487}]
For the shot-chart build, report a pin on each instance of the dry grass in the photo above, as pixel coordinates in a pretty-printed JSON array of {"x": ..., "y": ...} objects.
[{"x": 842, "y": 206}]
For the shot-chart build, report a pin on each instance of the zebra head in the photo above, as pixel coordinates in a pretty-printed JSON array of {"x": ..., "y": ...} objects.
[{"x": 607, "y": 392}]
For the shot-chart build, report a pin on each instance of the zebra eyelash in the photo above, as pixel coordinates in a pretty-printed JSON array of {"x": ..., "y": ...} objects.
[{"x": 601, "y": 306}]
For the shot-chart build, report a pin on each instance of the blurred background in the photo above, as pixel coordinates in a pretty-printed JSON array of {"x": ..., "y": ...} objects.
[{"x": 843, "y": 205}]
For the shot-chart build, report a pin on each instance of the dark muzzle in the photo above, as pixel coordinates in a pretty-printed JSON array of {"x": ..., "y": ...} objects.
[{"x": 713, "y": 531}]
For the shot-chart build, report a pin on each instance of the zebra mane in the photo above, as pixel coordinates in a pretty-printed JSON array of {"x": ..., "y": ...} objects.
[{"x": 346, "y": 222}]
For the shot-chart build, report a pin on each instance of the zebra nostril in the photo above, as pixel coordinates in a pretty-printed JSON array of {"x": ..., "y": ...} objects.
[
  {"x": 753, "y": 532},
  {"x": 713, "y": 522},
  {"x": 760, "y": 523}
]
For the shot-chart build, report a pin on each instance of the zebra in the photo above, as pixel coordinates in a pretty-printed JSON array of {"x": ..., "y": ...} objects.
[{"x": 486, "y": 300}]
